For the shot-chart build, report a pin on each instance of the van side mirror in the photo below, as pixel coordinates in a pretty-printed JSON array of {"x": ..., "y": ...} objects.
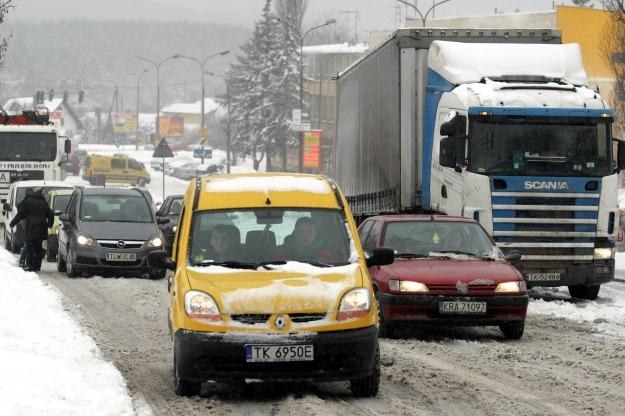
[
  {"x": 620, "y": 159},
  {"x": 381, "y": 257},
  {"x": 160, "y": 260},
  {"x": 64, "y": 218},
  {"x": 58, "y": 212},
  {"x": 162, "y": 220}
]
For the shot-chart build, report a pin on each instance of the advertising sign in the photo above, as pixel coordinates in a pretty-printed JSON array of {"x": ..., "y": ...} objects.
[
  {"x": 125, "y": 123},
  {"x": 171, "y": 126},
  {"x": 311, "y": 151}
]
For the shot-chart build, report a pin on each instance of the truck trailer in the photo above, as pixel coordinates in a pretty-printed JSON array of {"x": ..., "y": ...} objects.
[{"x": 496, "y": 125}]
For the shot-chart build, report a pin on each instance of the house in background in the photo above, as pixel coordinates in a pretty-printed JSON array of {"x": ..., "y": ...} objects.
[{"x": 61, "y": 113}]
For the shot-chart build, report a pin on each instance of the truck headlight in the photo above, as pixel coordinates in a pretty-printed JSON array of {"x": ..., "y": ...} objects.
[
  {"x": 201, "y": 307},
  {"x": 155, "y": 242},
  {"x": 407, "y": 286},
  {"x": 355, "y": 304},
  {"x": 84, "y": 240},
  {"x": 604, "y": 253},
  {"x": 511, "y": 287}
]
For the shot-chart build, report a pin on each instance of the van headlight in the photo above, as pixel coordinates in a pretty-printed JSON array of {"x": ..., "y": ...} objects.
[
  {"x": 155, "y": 241},
  {"x": 604, "y": 253},
  {"x": 201, "y": 307},
  {"x": 355, "y": 304},
  {"x": 511, "y": 287},
  {"x": 84, "y": 240},
  {"x": 407, "y": 286}
]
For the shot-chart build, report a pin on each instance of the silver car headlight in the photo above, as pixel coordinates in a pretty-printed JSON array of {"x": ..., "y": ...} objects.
[
  {"x": 155, "y": 241},
  {"x": 84, "y": 240}
]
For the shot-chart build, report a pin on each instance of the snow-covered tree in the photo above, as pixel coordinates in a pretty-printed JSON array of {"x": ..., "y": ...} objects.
[
  {"x": 614, "y": 35},
  {"x": 5, "y": 6},
  {"x": 264, "y": 83}
]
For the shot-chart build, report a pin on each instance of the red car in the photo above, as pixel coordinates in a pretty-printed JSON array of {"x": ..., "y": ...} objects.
[{"x": 447, "y": 271}]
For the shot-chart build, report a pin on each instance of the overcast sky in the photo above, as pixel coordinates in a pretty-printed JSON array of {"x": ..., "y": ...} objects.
[{"x": 372, "y": 14}]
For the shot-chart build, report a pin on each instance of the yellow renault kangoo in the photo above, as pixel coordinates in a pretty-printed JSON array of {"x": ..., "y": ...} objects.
[{"x": 270, "y": 283}]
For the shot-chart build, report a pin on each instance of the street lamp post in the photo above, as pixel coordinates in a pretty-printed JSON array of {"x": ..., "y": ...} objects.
[
  {"x": 158, "y": 103},
  {"x": 431, "y": 9},
  {"x": 228, "y": 160},
  {"x": 202, "y": 63},
  {"x": 138, "y": 92},
  {"x": 301, "y": 84}
]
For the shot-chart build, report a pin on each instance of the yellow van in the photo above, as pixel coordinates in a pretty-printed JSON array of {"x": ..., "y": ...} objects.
[
  {"x": 270, "y": 283},
  {"x": 100, "y": 169}
]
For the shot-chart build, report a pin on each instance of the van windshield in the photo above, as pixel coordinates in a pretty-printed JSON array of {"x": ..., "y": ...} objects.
[
  {"x": 113, "y": 208},
  {"x": 269, "y": 235},
  {"x": 20, "y": 193}
]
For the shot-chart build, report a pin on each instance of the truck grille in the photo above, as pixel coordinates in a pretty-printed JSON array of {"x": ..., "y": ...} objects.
[{"x": 552, "y": 225}]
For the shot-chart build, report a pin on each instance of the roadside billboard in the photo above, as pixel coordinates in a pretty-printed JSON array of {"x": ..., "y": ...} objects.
[
  {"x": 311, "y": 150},
  {"x": 171, "y": 126},
  {"x": 125, "y": 123}
]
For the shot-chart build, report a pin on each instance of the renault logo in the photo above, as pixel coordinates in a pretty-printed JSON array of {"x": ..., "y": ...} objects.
[
  {"x": 121, "y": 244},
  {"x": 280, "y": 322}
]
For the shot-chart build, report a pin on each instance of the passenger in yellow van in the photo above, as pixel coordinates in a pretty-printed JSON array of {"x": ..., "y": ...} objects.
[{"x": 304, "y": 244}]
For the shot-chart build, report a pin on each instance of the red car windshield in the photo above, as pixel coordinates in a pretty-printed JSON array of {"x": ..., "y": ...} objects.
[{"x": 429, "y": 238}]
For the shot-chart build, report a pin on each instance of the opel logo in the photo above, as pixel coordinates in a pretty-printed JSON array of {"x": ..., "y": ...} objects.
[
  {"x": 280, "y": 322},
  {"x": 121, "y": 244}
]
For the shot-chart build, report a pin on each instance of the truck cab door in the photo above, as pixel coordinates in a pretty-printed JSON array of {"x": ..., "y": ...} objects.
[{"x": 448, "y": 159}]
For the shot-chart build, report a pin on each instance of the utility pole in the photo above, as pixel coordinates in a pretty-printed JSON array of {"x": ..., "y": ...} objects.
[{"x": 138, "y": 94}]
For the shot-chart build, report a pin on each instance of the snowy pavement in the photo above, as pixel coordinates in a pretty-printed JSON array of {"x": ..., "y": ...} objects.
[{"x": 49, "y": 365}]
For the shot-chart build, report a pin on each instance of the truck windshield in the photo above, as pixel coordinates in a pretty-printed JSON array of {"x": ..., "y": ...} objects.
[
  {"x": 251, "y": 238},
  {"x": 27, "y": 146},
  {"x": 514, "y": 146}
]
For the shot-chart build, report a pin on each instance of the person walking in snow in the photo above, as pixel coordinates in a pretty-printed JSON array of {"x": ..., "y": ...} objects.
[{"x": 39, "y": 217}]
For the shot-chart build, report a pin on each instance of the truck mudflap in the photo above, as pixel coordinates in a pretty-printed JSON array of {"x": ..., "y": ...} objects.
[{"x": 587, "y": 274}]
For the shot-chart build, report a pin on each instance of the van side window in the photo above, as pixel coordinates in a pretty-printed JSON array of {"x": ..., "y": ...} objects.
[
  {"x": 133, "y": 164},
  {"x": 372, "y": 238},
  {"x": 118, "y": 164},
  {"x": 179, "y": 233}
]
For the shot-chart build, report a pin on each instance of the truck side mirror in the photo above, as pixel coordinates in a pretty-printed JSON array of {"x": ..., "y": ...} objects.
[
  {"x": 68, "y": 146},
  {"x": 448, "y": 128},
  {"x": 620, "y": 160},
  {"x": 447, "y": 152}
]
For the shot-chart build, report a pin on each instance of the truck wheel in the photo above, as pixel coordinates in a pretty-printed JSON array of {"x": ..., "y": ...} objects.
[
  {"x": 184, "y": 387},
  {"x": 60, "y": 263},
  {"x": 370, "y": 385},
  {"x": 584, "y": 292},
  {"x": 513, "y": 331},
  {"x": 385, "y": 329}
]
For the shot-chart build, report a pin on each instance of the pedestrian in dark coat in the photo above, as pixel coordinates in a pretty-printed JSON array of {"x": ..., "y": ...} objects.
[{"x": 39, "y": 217}]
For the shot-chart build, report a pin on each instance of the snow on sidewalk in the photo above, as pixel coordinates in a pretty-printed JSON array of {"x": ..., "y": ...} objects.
[{"x": 49, "y": 365}]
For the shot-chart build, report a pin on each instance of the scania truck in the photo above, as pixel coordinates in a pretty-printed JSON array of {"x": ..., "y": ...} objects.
[{"x": 496, "y": 125}]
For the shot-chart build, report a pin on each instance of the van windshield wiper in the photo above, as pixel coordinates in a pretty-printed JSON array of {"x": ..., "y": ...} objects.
[
  {"x": 409, "y": 256},
  {"x": 232, "y": 264},
  {"x": 318, "y": 263}
]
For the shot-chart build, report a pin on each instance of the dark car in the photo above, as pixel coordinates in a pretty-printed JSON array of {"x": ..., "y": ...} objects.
[
  {"x": 171, "y": 208},
  {"x": 71, "y": 165},
  {"x": 81, "y": 155},
  {"x": 447, "y": 271},
  {"x": 108, "y": 231}
]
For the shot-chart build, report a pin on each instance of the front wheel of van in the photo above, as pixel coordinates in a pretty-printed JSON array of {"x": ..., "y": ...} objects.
[
  {"x": 184, "y": 387},
  {"x": 141, "y": 182},
  {"x": 370, "y": 385}
]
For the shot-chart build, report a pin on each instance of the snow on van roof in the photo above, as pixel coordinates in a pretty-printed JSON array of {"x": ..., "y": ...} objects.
[
  {"x": 278, "y": 183},
  {"x": 461, "y": 63}
]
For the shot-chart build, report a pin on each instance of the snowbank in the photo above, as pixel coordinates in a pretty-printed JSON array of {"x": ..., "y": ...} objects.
[{"x": 48, "y": 364}]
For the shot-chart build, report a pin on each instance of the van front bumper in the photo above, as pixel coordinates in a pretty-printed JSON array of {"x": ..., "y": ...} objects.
[{"x": 340, "y": 355}]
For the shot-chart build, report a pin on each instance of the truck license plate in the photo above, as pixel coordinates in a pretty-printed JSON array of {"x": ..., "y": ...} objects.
[
  {"x": 121, "y": 257},
  {"x": 461, "y": 306},
  {"x": 543, "y": 277},
  {"x": 278, "y": 353}
]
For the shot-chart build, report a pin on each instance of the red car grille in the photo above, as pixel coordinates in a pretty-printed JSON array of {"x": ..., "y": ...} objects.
[{"x": 452, "y": 290}]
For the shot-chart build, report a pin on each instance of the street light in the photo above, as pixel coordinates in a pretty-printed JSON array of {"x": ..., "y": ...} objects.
[
  {"x": 138, "y": 89},
  {"x": 158, "y": 91},
  {"x": 202, "y": 63},
  {"x": 431, "y": 9},
  {"x": 228, "y": 160},
  {"x": 301, "y": 82}
]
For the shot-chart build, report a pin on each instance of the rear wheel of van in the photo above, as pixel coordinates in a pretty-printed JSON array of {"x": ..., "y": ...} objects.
[
  {"x": 184, "y": 387},
  {"x": 70, "y": 268},
  {"x": 584, "y": 292},
  {"x": 368, "y": 386},
  {"x": 513, "y": 330}
]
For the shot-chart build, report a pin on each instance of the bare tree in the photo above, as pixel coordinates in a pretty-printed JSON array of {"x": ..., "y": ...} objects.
[
  {"x": 5, "y": 6},
  {"x": 293, "y": 11},
  {"x": 615, "y": 56}
]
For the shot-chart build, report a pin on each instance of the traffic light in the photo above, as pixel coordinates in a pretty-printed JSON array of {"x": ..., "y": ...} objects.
[
  {"x": 81, "y": 96},
  {"x": 51, "y": 95},
  {"x": 65, "y": 96}
]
